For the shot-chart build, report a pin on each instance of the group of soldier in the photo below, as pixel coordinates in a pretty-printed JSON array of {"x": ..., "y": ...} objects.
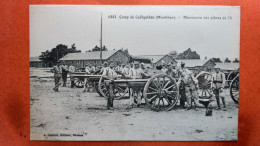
[
  {"x": 187, "y": 82},
  {"x": 61, "y": 72}
]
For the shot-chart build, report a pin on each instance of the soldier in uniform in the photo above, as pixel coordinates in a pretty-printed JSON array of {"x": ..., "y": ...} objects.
[
  {"x": 71, "y": 71},
  {"x": 111, "y": 74},
  {"x": 88, "y": 72},
  {"x": 170, "y": 71},
  {"x": 182, "y": 86},
  {"x": 164, "y": 69},
  {"x": 65, "y": 71},
  {"x": 191, "y": 85},
  {"x": 218, "y": 83},
  {"x": 57, "y": 70},
  {"x": 136, "y": 92},
  {"x": 124, "y": 70}
]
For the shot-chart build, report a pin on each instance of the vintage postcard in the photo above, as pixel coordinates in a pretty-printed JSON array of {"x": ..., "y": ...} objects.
[{"x": 138, "y": 73}]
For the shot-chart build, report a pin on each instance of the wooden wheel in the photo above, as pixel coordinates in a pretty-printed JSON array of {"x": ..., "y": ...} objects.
[
  {"x": 79, "y": 82},
  {"x": 204, "y": 81},
  {"x": 119, "y": 91},
  {"x": 161, "y": 92},
  {"x": 234, "y": 89},
  {"x": 231, "y": 76}
]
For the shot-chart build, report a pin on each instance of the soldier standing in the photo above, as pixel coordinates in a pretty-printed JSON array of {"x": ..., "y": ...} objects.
[
  {"x": 71, "y": 71},
  {"x": 86, "y": 87},
  {"x": 182, "y": 87},
  {"x": 111, "y": 74},
  {"x": 191, "y": 85},
  {"x": 57, "y": 70},
  {"x": 65, "y": 71},
  {"x": 218, "y": 83}
]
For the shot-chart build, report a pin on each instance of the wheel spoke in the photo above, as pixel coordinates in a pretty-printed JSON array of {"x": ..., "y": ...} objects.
[
  {"x": 152, "y": 93},
  {"x": 167, "y": 100},
  {"x": 151, "y": 99},
  {"x": 170, "y": 87},
  {"x": 153, "y": 89},
  {"x": 166, "y": 85},
  {"x": 172, "y": 97},
  {"x": 162, "y": 102}
]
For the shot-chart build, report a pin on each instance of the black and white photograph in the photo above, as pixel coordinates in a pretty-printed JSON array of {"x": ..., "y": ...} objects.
[{"x": 134, "y": 73}]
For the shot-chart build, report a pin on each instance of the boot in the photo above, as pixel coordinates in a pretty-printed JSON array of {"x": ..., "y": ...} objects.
[
  {"x": 195, "y": 107},
  {"x": 224, "y": 103},
  {"x": 218, "y": 104}
]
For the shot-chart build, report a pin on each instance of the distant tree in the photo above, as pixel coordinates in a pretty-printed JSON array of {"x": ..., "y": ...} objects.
[
  {"x": 216, "y": 60},
  {"x": 51, "y": 57},
  {"x": 236, "y": 60},
  {"x": 173, "y": 54},
  {"x": 188, "y": 54},
  {"x": 227, "y": 60},
  {"x": 96, "y": 48}
]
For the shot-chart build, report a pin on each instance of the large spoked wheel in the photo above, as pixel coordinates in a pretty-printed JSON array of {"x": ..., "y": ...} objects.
[
  {"x": 231, "y": 76},
  {"x": 234, "y": 89},
  {"x": 161, "y": 93},
  {"x": 79, "y": 82},
  {"x": 119, "y": 91},
  {"x": 204, "y": 82}
]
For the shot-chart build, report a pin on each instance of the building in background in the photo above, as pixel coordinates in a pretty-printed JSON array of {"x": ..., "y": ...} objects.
[
  {"x": 227, "y": 67},
  {"x": 36, "y": 62},
  {"x": 197, "y": 64},
  {"x": 159, "y": 60},
  {"x": 81, "y": 59}
]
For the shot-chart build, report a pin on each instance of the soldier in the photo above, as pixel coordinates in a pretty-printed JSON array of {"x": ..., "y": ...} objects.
[
  {"x": 217, "y": 84},
  {"x": 109, "y": 71},
  {"x": 124, "y": 70},
  {"x": 182, "y": 87},
  {"x": 191, "y": 85},
  {"x": 135, "y": 92},
  {"x": 57, "y": 70},
  {"x": 118, "y": 67},
  {"x": 65, "y": 71},
  {"x": 86, "y": 87},
  {"x": 164, "y": 69},
  {"x": 111, "y": 74},
  {"x": 71, "y": 71},
  {"x": 170, "y": 71}
]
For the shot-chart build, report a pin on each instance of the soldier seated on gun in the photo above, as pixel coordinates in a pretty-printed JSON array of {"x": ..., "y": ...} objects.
[
  {"x": 86, "y": 86},
  {"x": 217, "y": 84},
  {"x": 57, "y": 70},
  {"x": 191, "y": 87}
]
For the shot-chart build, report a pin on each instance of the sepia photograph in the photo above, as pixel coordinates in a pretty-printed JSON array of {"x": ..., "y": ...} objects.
[{"x": 134, "y": 73}]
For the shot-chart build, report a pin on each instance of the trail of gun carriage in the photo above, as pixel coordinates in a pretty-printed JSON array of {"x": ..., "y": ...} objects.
[{"x": 100, "y": 88}]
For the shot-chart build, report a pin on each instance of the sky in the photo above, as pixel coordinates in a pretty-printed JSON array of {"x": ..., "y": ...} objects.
[{"x": 211, "y": 37}]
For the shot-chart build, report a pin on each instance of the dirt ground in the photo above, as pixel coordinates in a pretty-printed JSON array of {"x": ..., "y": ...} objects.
[{"x": 73, "y": 115}]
